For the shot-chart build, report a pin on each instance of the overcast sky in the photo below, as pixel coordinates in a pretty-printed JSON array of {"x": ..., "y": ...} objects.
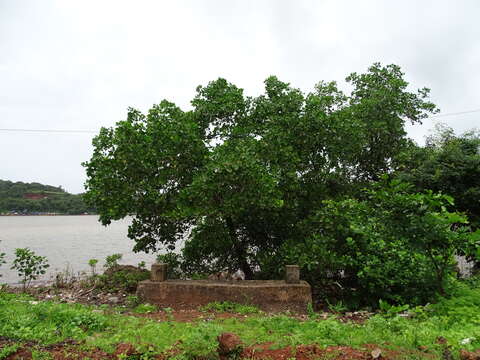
[{"x": 80, "y": 64}]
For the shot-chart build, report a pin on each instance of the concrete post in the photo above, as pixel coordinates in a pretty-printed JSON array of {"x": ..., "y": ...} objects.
[
  {"x": 292, "y": 274},
  {"x": 159, "y": 272}
]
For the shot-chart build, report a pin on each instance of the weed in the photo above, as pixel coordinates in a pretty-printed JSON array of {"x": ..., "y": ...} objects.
[
  {"x": 391, "y": 310},
  {"x": 8, "y": 350},
  {"x": 227, "y": 306},
  {"x": 145, "y": 308},
  {"x": 338, "y": 307},
  {"x": 132, "y": 300},
  {"x": 112, "y": 260},
  {"x": 93, "y": 266},
  {"x": 41, "y": 355}
]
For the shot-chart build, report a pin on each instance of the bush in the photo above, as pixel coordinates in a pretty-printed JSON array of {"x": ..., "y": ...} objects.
[
  {"x": 111, "y": 261},
  {"x": 29, "y": 266},
  {"x": 392, "y": 245}
]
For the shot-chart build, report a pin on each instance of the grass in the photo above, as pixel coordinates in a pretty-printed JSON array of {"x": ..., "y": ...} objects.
[
  {"x": 230, "y": 307},
  {"x": 456, "y": 319}
]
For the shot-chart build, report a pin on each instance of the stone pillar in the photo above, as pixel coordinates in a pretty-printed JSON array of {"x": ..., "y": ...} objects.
[
  {"x": 292, "y": 274},
  {"x": 159, "y": 272}
]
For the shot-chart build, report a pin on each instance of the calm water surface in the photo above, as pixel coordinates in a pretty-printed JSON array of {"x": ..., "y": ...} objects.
[{"x": 66, "y": 241}]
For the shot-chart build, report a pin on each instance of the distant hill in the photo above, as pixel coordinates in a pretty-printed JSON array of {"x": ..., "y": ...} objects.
[{"x": 38, "y": 199}]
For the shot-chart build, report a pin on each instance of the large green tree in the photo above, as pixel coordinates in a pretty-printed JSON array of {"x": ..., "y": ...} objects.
[
  {"x": 236, "y": 176},
  {"x": 448, "y": 163}
]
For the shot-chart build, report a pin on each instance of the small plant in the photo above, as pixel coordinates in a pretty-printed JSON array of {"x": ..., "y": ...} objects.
[
  {"x": 133, "y": 300},
  {"x": 93, "y": 266},
  {"x": 338, "y": 307},
  {"x": 141, "y": 265},
  {"x": 391, "y": 310},
  {"x": 145, "y": 309},
  {"x": 41, "y": 355},
  {"x": 29, "y": 266},
  {"x": 8, "y": 350},
  {"x": 65, "y": 278},
  {"x": 169, "y": 312},
  {"x": 227, "y": 306},
  {"x": 112, "y": 260}
]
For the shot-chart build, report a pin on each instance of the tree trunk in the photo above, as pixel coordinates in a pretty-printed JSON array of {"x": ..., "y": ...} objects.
[{"x": 239, "y": 250}]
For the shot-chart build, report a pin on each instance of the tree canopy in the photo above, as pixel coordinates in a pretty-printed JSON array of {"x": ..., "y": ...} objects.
[
  {"x": 252, "y": 183},
  {"x": 236, "y": 174}
]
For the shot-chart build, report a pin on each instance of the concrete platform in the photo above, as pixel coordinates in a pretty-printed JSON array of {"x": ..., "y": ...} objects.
[{"x": 268, "y": 295}]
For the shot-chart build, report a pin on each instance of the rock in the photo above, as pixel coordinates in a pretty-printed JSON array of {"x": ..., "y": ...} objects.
[
  {"x": 376, "y": 353},
  {"x": 229, "y": 343},
  {"x": 113, "y": 299},
  {"x": 469, "y": 355},
  {"x": 441, "y": 340},
  {"x": 124, "y": 350}
]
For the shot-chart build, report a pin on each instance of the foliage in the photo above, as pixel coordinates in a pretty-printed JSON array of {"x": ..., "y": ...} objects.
[
  {"x": 8, "y": 350},
  {"x": 391, "y": 310},
  {"x": 29, "y": 266},
  {"x": 112, "y": 260},
  {"x": 46, "y": 322},
  {"x": 392, "y": 245},
  {"x": 124, "y": 280},
  {"x": 133, "y": 300},
  {"x": 174, "y": 264},
  {"x": 227, "y": 306},
  {"x": 93, "y": 266},
  {"x": 236, "y": 176},
  {"x": 145, "y": 308},
  {"x": 450, "y": 164}
]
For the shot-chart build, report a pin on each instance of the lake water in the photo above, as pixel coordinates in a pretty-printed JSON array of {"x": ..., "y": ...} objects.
[{"x": 66, "y": 241}]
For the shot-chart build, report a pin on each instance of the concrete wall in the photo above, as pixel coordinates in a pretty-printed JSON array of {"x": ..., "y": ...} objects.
[{"x": 267, "y": 295}]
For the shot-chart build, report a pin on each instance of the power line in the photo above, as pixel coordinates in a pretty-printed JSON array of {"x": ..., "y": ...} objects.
[
  {"x": 455, "y": 113},
  {"x": 96, "y": 131}
]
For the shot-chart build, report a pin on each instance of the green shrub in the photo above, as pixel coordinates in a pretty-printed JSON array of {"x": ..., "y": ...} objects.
[
  {"x": 93, "y": 266},
  {"x": 29, "y": 266},
  {"x": 392, "y": 245},
  {"x": 122, "y": 278},
  {"x": 112, "y": 260}
]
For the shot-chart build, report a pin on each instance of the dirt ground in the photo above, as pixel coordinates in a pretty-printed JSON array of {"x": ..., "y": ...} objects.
[{"x": 70, "y": 351}]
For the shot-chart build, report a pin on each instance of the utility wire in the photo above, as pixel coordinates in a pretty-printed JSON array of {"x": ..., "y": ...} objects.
[
  {"x": 455, "y": 113},
  {"x": 96, "y": 131}
]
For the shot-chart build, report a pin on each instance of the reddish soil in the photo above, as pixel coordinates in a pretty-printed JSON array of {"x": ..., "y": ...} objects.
[{"x": 71, "y": 350}]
